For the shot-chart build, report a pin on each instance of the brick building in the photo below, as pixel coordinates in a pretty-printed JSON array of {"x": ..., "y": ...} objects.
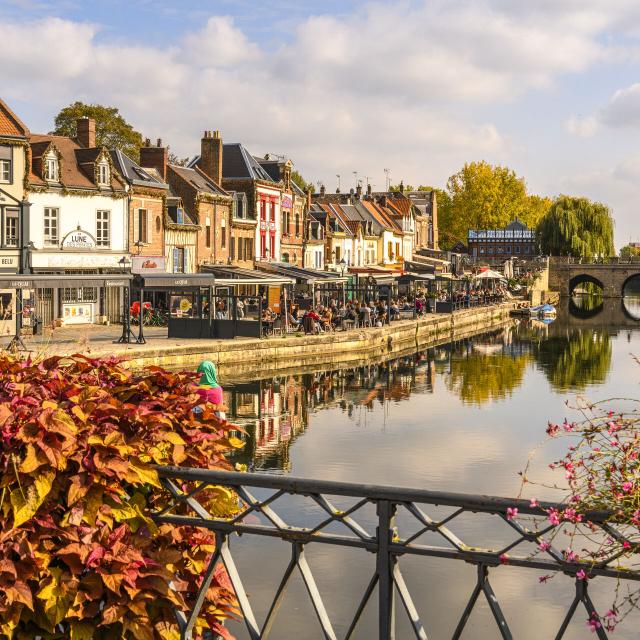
[{"x": 515, "y": 240}]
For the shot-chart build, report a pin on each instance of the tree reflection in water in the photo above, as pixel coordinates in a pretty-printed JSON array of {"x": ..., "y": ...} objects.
[{"x": 575, "y": 360}]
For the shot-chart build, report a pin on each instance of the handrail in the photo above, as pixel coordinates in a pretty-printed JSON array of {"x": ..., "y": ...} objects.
[{"x": 386, "y": 535}]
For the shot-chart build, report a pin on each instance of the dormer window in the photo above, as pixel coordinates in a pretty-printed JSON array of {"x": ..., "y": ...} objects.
[
  {"x": 103, "y": 174},
  {"x": 51, "y": 168}
]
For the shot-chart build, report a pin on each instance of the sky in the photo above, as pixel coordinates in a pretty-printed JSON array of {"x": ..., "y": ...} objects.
[{"x": 550, "y": 88}]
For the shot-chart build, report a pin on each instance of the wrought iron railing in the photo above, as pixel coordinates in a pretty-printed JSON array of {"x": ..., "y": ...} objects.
[{"x": 383, "y": 536}]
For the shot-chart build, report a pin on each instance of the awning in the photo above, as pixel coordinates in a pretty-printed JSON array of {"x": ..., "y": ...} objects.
[
  {"x": 245, "y": 276},
  {"x": 303, "y": 275},
  {"x": 413, "y": 277},
  {"x": 174, "y": 280},
  {"x": 62, "y": 281}
]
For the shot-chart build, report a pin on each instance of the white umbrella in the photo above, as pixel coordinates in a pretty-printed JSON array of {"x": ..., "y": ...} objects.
[{"x": 489, "y": 274}]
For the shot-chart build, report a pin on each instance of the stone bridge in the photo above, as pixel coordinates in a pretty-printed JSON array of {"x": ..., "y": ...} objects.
[
  {"x": 612, "y": 275},
  {"x": 607, "y": 315}
]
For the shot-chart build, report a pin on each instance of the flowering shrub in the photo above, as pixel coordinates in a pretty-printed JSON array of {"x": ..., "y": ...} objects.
[
  {"x": 80, "y": 558},
  {"x": 601, "y": 471}
]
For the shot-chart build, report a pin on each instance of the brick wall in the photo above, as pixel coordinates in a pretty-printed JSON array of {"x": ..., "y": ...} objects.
[{"x": 152, "y": 228}]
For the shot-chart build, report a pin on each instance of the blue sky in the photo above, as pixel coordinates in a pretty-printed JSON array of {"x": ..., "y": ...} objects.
[{"x": 548, "y": 87}]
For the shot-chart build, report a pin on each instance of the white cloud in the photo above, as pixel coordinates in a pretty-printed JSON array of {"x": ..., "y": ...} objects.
[
  {"x": 409, "y": 85},
  {"x": 582, "y": 127},
  {"x": 623, "y": 109}
]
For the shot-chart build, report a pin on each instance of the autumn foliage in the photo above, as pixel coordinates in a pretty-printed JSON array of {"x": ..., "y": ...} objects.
[{"x": 80, "y": 557}]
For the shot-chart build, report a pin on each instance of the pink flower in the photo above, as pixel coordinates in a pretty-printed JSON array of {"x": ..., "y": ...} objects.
[
  {"x": 553, "y": 517},
  {"x": 543, "y": 545},
  {"x": 627, "y": 486},
  {"x": 572, "y": 515},
  {"x": 571, "y": 556},
  {"x": 533, "y": 503},
  {"x": 545, "y": 578},
  {"x": 504, "y": 558},
  {"x": 581, "y": 575},
  {"x": 552, "y": 429},
  {"x": 626, "y": 545},
  {"x": 512, "y": 513},
  {"x": 594, "y": 622}
]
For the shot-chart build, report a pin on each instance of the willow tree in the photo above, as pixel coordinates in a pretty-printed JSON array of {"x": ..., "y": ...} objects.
[{"x": 576, "y": 227}]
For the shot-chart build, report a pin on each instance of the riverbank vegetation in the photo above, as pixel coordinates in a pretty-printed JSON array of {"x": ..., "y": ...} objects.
[{"x": 80, "y": 556}]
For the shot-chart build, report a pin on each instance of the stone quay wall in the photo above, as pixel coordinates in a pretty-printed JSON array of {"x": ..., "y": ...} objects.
[{"x": 250, "y": 357}]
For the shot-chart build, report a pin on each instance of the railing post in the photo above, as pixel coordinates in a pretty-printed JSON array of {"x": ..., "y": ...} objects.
[{"x": 385, "y": 563}]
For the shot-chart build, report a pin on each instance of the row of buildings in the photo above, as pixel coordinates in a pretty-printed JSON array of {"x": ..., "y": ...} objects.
[{"x": 69, "y": 206}]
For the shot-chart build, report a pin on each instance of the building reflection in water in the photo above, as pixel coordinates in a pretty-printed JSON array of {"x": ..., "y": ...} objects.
[{"x": 479, "y": 370}]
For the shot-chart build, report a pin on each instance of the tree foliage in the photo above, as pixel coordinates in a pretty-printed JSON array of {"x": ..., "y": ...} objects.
[
  {"x": 577, "y": 227},
  {"x": 484, "y": 196},
  {"x": 300, "y": 181},
  {"x": 112, "y": 130},
  {"x": 80, "y": 557},
  {"x": 629, "y": 251}
]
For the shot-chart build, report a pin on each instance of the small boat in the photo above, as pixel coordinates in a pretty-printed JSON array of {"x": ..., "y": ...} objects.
[{"x": 543, "y": 311}]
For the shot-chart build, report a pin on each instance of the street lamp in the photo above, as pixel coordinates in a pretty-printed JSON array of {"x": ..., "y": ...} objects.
[
  {"x": 127, "y": 335},
  {"x": 343, "y": 267}
]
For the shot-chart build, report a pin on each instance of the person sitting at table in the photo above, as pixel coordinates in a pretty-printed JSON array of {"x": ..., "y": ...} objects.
[
  {"x": 365, "y": 316},
  {"x": 394, "y": 310},
  {"x": 326, "y": 319},
  {"x": 310, "y": 322}
]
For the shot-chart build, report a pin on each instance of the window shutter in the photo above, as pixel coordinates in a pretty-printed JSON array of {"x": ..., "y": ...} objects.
[
  {"x": 187, "y": 265},
  {"x": 136, "y": 225},
  {"x": 176, "y": 253},
  {"x": 149, "y": 227}
]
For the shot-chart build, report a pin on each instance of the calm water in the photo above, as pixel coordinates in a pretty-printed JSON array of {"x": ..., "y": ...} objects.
[{"x": 461, "y": 417}]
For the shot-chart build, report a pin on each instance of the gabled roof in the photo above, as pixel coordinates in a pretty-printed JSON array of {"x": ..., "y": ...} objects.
[
  {"x": 383, "y": 217},
  {"x": 238, "y": 164},
  {"x": 76, "y": 162},
  {"x": 134, "y": 174},
  {"x": 517, "y": 225},
  {"x": 199, "y": 180},
  {"x": 10, "y": 124}
]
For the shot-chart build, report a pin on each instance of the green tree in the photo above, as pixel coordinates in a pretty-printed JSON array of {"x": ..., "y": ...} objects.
[
  {"x": 577, "y": 227},
  {"x": 112, "y": 130},
  {"x": 483, "y": 196},
  {"x": 300, "y": 181},
  {"x": 629, "y": 251}
]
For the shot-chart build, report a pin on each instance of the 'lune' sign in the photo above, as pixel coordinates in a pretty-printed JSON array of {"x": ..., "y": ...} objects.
[{"x": 78, "y": 239}]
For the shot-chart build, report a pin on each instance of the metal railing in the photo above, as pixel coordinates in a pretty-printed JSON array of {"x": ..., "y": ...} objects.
[{"x": 382, "y": 536}]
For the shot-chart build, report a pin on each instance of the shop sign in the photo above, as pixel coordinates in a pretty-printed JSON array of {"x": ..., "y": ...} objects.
[
  {"x": 78, "y": 239},
  {"x": 9, "y": 263},
  {"x": 77, "y": 313},
  {"x": 148, "y": 264}
]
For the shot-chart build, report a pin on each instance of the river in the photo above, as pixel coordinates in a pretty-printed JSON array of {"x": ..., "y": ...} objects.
[{"x": 460, "y": 417}]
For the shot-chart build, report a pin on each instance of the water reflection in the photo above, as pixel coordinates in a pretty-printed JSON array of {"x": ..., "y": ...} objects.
[
  {"x": 480, "y": 370},
  {"x": 586, "y": 305},
  {"x": 631, "y": 305}
]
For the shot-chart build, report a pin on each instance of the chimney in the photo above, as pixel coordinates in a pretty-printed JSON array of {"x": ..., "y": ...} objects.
[
  {"x": 401, "y": 186},
  {"x": 154, "y": 157},
  {"x": 359, "y": 190},
  {"x": 369, "y": 191},
  {"x": 308, "y": 198},
  {"x": 322, "y": 190},
  {"x": 211, "y": 155},
  {"x": 86, "y": 132}
]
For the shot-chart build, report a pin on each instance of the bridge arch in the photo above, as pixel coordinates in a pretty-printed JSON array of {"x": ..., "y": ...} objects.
[
  {"x": 631, "y": 286},
  {"x": 583, "y": 278},
  {"x": 585, "y": 311}
]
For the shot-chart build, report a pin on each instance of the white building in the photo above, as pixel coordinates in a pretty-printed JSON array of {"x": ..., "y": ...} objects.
[{"x": 78, "y": 224}]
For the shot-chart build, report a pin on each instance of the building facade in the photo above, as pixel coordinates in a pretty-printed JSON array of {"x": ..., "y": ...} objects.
[
  {"x": 515, "y": 240},
  {"x": 78, "y": 223}
]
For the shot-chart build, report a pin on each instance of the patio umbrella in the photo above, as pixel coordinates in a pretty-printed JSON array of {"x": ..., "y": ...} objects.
[{"x": 489, "y": 274}]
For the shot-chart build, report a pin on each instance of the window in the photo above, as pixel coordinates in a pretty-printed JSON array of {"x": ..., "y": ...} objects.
[
  {"x": 80, "y": 294},
  {"x": 180, "y": 215},
  {"x": 158, "y": 224},
  {"x": 178, "y": 260},
  {"x": 141, "y": 226},
  {"x": 207, "y": 236},
  {"x": 103, "y": 173},
  {"x": 248, "y": 248},
  {"x": 232, "y": 248},
  {"x": 11, "y": 228},
  {"x": 223, "y": 224},
  {"x": 297, "y": 224},
  {"x": 50, "y": 226},
  {"x": 103, "y": 228},
  {"x": 6, "y": 164},
  {"x": 51, "y": 169}
]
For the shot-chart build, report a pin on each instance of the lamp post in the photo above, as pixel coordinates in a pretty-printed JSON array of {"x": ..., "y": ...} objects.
[
  {"x": 343, "y": 267},
  {"x": 127, "y": 335}
]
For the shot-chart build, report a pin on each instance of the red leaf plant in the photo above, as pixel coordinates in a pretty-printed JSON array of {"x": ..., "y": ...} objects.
[{"x": 80, "y": 558}]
